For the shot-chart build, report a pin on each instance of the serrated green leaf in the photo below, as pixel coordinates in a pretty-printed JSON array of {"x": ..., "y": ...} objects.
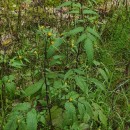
[
  {"x": 74, "y": 12},
  {"x": 81, "y": 109},
  {"x": 88, "y": 108},
  {"x": 11, "y": 125},
  {"x": 86, "y": 117},
  {"x": 96, "y": 63},
  {"x": 75, "y": 31},
  {"x": 10, "y": 87},
  {"x": 96, "y": 106},
  {"x": 93, "y": 32},
  {"x": 78, "y": 71},
  {"x": 11, "y": 77},
  {"x": 55, "y": 62},
  {"x": 55, "y": 47},
  {"x": 95, "y": 115},
  {"x": 13, "y": 114},
  {"x": 51, "y": 75},
  {"x": 77, "y": 5},
  {"x": 32, "y": 120},
  {"x": 81, "y": 84},
  {"x": 34, "y": 88},
  {"x": 5, "y": 79},
  {"x": 84, "y": 126},
  {"x": 89, "y": 12},
  {"x": 56, "y": 114},
  {"x": 22, "y": 106},
  {"x": 57, "y": 84},
  {"x": 70, "y": 111},
  {"x": 67, "y": 3},
  {"x": 12, "y": 122},
  {"x": 81, "y": 38},
  {"x": 73, "y": 95},
  {"x": 103, "y": 73},
  {"x": 70, "y": 107},
  {"x": 56, "y": 57},
  {"x": 88, "y": 46},
  {"x": 102, "y": 118},
  {"x": 22, "y": 126},
  {"x": 68, "y": 74},
  {"x": 91, "y": 37},
  {"x": 75, "y": 126},
  {"x": 98, "y": 83},
  {"x": 16, "y": 64}
]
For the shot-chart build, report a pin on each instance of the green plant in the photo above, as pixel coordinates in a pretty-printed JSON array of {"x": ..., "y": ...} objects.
[{"x": 57, "y": 76}]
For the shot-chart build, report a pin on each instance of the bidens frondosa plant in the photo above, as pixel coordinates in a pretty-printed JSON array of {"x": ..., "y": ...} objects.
[{"x": 61, "y": 73}]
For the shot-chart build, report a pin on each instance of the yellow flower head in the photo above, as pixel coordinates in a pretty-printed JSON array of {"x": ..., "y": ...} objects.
[
  {"x": 20, "y": 57},
  {"x": 18, "y": 121},
  {"x": 41, "y": 27},
  {"x": 8, "y": 81},
  {"x": 52, "y": 42},
  {"x": 49, "y": 34},
  {"x": 6, "y": 42},
  {"x": 61, "y": 34},
  {"x": 65, "y": 83},
  {"x": 14, "y": 6},
  {"x": 35, "y": 52},
  {"x": 96, "y": 22},
  {"x": 70, "y": 99},
  {"x": 72, "y": 45}
]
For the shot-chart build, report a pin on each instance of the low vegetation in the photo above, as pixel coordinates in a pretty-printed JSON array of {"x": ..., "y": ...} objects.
[{"x": 64, "y": 65}]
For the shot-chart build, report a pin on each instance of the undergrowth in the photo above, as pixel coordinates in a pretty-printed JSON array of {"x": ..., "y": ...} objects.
[{"x": 63, "y": 66}]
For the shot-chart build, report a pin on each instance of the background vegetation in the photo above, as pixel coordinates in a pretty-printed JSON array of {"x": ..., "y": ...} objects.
[{"x": 64, "y": 65}]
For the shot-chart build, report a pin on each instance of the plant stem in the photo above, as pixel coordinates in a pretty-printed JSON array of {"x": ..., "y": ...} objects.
[
  {"x": 46, "y": 85},
  {"x": 3, "y": 95}
]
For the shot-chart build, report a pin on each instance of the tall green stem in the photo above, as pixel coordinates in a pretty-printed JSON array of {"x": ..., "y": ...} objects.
[{"x": 46, "y": 85}]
